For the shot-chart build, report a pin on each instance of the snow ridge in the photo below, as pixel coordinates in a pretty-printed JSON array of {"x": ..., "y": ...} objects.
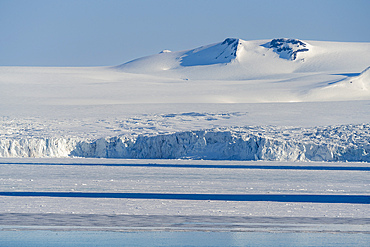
[
  {"x": 224, "y": 52},
  {"x": 236, "y": 59},
  {"x": 363, "y": 80}
]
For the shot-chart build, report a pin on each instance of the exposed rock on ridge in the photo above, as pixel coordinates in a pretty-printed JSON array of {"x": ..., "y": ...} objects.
[
  {"x": 224, "y": 52},
  {"x": 287, "y": 48}
]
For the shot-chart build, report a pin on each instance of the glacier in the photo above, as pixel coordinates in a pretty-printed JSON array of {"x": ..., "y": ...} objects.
[
  {"x": 270, "y": 143},
  {"x": 37, "y": 147},
  {"x": 132, "y": 110}
]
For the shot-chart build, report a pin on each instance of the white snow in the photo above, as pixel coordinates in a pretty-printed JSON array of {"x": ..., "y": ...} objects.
[
  {"x": 352, "y": 86},
  {"x": 232, "y": 71},
  {"x": 236, "y": 59},
  {"x": 255, "y": 74},
  {"x": 105, "y": 176},
  {"x": 281, "y": 101},
  {"x": 165, "y": 51}
]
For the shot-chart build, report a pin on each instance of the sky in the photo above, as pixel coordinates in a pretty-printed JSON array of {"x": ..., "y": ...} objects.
[{"x": 112, "y": 32}]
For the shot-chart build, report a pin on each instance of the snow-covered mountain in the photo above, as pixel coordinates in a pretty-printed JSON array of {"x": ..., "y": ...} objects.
[
  {"x": 197, "y": 104},
  {"x": 224, "y": 52},
  {"x": 231, "y": 71},
  {"x": 239, "y": 59}
]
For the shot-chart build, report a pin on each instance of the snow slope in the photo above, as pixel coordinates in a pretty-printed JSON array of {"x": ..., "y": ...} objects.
[
  {"x": 232, "y": 71},
  {"x": 353, "y": 86},
  {"x": 236, "y": 59}
]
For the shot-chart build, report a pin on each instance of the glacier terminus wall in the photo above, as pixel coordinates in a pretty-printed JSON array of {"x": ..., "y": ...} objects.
[{"x": 333, "y": 143}]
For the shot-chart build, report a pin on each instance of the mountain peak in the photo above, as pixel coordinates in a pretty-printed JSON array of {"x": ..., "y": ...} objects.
[
  {"x": 234, "y": 58},
  {"x": 165, "y": 51},
  {"x": 224, "y": 52},
  {"x": 232, "y": 44},
  {"x": 287, "y": 48}
]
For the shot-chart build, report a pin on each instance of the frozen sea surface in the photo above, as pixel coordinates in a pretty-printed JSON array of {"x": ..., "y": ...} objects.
[
  {"x": 156, "y": 195},
  {"x": 139, "y": 239}
]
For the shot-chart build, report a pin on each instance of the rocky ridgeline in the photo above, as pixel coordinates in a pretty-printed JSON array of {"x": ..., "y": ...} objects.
[
  {"x": 287, "y": 48},
  {"x": 232, "y": 44},
  {"x": 224, "y": 52},
  {"x": 335, "y": 143}
]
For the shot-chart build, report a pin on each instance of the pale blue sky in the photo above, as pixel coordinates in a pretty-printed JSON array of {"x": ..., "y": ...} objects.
[{"x": 110, "y": 32}]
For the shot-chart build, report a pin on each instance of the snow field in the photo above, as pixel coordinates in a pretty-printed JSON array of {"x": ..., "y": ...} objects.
[
  {"x": 84, "y": 176},
  {"x": 135, "y": 207},
  {"x": 104, "y": 176}
]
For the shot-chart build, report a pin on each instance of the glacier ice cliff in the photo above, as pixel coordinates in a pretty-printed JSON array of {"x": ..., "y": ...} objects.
[
  {"x": 37, "y": 147},
  {"x": 333, "y": 143}
]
